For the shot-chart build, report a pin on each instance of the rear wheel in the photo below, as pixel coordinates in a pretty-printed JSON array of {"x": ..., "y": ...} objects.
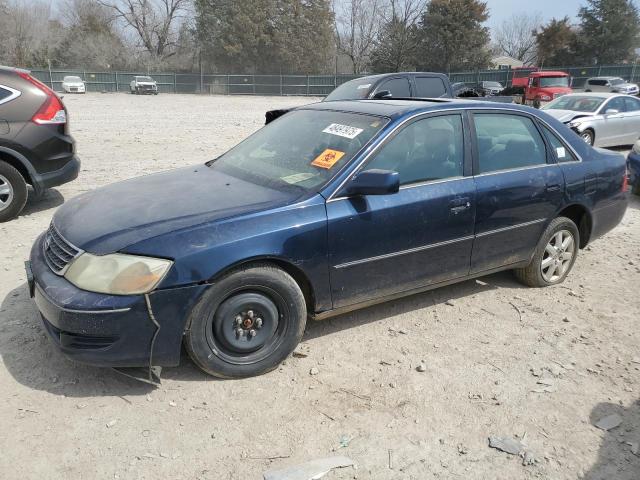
[
  {"x": 13, "y": 192},
  {"x": 247, "y": 322},
  {"x": 554, "y": 257}
]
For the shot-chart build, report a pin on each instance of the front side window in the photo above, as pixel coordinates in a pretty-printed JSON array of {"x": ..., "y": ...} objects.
[
  {"x": 507, "y": 141},
  {"x": 426, "y": 150},
  {"x": 615, "y": 104},
  {"x": 399, "y": 87},
  {"x": 301, "y": 150},
  {"x": 353, "y": 90}
]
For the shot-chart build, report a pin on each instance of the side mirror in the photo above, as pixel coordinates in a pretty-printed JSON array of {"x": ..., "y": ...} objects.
[
  {"x": 611, "y": 111},
  {"x": 382, "y": 94},
  {"x": 374, "y": 182}
]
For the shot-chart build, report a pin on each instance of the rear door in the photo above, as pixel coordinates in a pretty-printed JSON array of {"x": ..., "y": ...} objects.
[{"x": 519, "y": 188}]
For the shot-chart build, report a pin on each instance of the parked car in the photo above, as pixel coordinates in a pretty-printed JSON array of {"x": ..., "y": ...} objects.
[
  {"x": 142, "y": 84},
  {"x": 35, "y": 146},
  {"x": 73, "y": 84},
  {"x": 633, "y": 166},
  {"x": 610, "y": 84},
  {"x": 489, "y": 88},
  {"x": 331, "y": 207},
  {"x": 601, "y": 119},
  {"x": 394, "y": 85}
]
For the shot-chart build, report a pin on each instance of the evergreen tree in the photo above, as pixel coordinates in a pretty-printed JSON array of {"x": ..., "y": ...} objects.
[
  {"x": 557, "y": 44},
  {"x": 453, "y": 37},
  {"x": 609, "y": 30}
]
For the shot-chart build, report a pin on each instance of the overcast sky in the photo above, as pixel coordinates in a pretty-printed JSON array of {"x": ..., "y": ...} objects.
[{"x": 502, "y": 9}]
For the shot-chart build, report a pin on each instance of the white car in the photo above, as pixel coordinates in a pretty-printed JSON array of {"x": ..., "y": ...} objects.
[
  {"x": 73, "y": 84},
  {"x": 143, "y": 84}
]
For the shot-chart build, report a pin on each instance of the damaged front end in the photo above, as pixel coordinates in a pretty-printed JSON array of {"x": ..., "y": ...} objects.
[{"x": 134, "y": 334}]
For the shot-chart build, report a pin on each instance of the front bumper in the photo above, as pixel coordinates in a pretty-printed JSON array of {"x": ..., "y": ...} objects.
[{"x": 110, "y": 330}]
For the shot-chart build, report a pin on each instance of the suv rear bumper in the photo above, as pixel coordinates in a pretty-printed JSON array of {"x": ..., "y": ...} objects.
[{"x": 69, "y": 172}]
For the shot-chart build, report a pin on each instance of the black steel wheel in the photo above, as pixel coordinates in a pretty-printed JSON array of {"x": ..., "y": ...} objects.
[{"x": 247, "y": 322}]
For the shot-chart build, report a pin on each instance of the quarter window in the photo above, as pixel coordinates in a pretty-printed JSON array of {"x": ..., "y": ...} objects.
[
  {"x": 562, "y": 153},
  {"x": 399, "y": 87},
  {"x": 428, "y": 149},
  {"x": 507, "y": 141}
]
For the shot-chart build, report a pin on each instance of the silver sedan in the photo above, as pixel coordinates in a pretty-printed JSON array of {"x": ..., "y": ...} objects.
[{"x": 601, "y": 119}]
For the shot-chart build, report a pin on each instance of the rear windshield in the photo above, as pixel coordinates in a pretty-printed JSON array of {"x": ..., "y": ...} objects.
[
  {"x": 353, "y": 90},
  {"x": 300, "y": 150}
]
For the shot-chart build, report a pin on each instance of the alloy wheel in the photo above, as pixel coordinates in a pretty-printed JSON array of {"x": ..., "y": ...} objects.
[
  {"x": 6, "y": 193},
  {"x": 558, "y": 255}
]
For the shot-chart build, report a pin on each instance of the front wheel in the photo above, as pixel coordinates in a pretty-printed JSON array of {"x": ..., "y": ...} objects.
[
  {"x": 247, "y": 322},
  {"x": 588, "y": 137},
  {"x": 554, "y": 257}
]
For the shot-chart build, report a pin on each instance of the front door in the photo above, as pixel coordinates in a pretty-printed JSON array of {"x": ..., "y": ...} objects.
[
  {"x": 612, "y": 129},
  {"x": 382, "y": 245},
  {"x": 519, "y": 188}
]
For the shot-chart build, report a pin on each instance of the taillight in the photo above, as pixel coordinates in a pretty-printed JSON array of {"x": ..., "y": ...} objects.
[
  {"x": 625, "y": 180},
  {"x": 52, "y": 111}
]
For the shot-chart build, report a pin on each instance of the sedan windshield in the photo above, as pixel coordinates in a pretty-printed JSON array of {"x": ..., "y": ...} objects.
[
  {"x": 617, "y": 81},
  {"x": 492, "y": 85},
  {"x": 302, "y": 149},
  {"x": 577, "y": 103},
  {"x": 144, "y": 79},
  {"x": 353, "y": 90},
  {"x": 72, "y": 79},
  {"x": 554, "y": 81}
]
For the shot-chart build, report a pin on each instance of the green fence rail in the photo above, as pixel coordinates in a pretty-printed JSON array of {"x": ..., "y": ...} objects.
[{"x": 312, "y": 85}]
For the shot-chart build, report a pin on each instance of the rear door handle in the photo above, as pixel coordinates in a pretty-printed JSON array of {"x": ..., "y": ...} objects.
[
  {"x": 553, "y": 187},
  {"x": 460, "y": 205}
]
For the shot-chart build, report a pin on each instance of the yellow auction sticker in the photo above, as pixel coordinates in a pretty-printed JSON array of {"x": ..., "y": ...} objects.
[{"x": 328, "y": 158}]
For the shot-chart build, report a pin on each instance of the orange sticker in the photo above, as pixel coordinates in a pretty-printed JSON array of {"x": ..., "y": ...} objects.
[{"x": 328, "y": 158}]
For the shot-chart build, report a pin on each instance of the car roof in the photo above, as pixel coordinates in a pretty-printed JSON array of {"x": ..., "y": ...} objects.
[
  {"x": 594, "y": 94},
  {"x": 394, "y": 108},
  {"x": 604, "y": 78}
]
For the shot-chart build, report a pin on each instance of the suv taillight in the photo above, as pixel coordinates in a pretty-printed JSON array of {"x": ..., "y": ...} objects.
[
  {"x": 52, "y": 111},
  {"x": 625, "y": 181}
]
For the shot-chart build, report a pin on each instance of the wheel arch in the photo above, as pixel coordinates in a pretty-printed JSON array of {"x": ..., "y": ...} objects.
[
  {"x": 580, "y": 215},
  {"x": 297, "y": 273},
  {"x": 19, "y": 162}
]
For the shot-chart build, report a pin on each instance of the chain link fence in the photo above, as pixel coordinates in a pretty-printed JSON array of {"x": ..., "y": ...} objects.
[{"x": 311, "y": 85}]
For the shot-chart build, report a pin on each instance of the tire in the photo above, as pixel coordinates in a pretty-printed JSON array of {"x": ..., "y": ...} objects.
[
  {"x": 224, "y": 323},
  {"x": 535, "y": 274},
  {"x": 13, "y": 192},
  {"x": 536, "y": 103},
  {"x": 588, "y": 136}
]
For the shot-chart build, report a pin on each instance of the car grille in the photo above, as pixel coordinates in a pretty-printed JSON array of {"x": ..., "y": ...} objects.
[{"x": 57, "y": 251}]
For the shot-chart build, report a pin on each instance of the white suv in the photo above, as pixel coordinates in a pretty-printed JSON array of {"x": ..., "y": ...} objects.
[
  {"x": 610, "y": 84},
  {"x": 142, "y": 84}
]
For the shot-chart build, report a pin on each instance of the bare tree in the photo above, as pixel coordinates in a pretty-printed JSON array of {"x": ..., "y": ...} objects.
[
  {"x": 155, "y": 22},
  {"x": 357, "y": 25},
  {"x": 516, "y": 36}
]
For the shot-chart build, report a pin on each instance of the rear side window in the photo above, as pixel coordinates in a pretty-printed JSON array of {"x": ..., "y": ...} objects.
[
  {"x": 4, "y": 93},
  {"x": 507, "y": 141},
  {"x": 599, "y": 83},
  {"x": 562, "y": 153},
  {"x": 632, "y": 104},
  {"x": 428, "y": 149},
  {"x": 399, "y": 87},
  {"x": 617, "y": 103},
  {"x": 430, "y": 87}
]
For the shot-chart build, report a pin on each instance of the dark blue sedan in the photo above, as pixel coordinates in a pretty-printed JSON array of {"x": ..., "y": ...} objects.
[
  {"x": 331, "y": 207},
  {"x": 633, "y": 165}
]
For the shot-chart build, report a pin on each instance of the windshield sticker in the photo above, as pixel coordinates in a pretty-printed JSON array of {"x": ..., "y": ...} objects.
[
  {"x": 298, "y": 177},
  {"x": 328, "y": 158},
  {"x": 561, "y": 152},
  {"x": 343, "y": 130},
  {"x": 363, "y": 86}
]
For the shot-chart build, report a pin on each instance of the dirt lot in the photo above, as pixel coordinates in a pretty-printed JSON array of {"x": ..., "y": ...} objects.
[{"x": 501, "y": 360}]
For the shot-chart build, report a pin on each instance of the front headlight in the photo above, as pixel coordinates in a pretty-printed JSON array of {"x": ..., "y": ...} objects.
[
  {"x": 117, "y": 274},
  {"x": 575, "y": 123}
]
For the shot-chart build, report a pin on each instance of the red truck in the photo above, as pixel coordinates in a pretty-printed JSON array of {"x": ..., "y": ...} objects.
[{"x": 540, "y": 87}]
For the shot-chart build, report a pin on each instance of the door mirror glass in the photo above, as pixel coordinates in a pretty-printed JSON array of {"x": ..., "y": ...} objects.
[
  {"x": 382, "y": 94},
  {"x": 374, "y": 182}
]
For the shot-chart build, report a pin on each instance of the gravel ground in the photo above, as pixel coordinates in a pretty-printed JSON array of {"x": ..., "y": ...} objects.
[{"x": 541, "y": 366}]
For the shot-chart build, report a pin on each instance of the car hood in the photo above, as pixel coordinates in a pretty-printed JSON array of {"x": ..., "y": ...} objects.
[
  {"x": 110, "y": 218},
  {"x": 566, "y": 116}
]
